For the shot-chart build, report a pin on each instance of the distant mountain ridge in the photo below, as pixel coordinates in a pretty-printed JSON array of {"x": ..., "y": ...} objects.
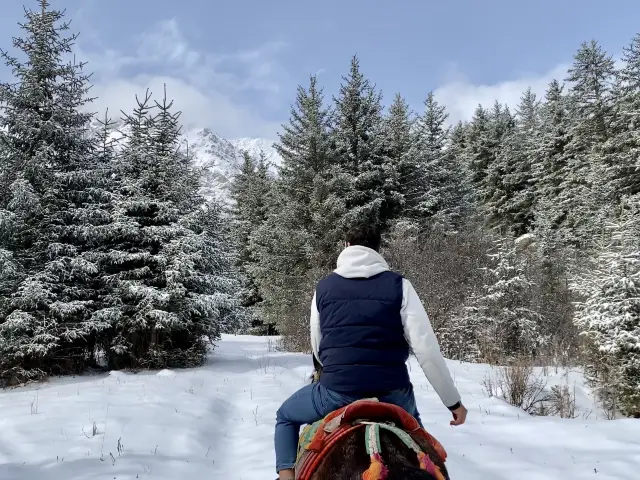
[{"x": 222, "y": 158}]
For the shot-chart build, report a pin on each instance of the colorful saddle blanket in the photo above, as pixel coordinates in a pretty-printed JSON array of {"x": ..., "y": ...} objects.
[{"x": 316, "y": 440}]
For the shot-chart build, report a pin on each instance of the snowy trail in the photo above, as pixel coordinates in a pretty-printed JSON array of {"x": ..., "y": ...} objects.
[{"x": 217, "y": 422}]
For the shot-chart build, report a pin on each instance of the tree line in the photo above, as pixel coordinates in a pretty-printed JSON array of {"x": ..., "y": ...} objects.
[
  {"x": 519, "y": 227},
  {"x": 109, "y": 255}
]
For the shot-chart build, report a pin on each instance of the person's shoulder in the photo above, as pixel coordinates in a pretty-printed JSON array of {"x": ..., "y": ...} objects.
[
  {"x": 396, "y": 276},
  {"x": 327, "y": 280},
  {"x": 328, "y": 276},
  {"x": 392, "y": 273}
]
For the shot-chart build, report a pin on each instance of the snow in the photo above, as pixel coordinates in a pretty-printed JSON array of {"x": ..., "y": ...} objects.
[
  {"x": 217, "y": 422},
  {"x": 221, "y": 158},
  {"x": 254, "y": 146}
]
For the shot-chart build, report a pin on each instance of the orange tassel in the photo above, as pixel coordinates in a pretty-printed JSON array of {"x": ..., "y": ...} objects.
[
  {"x": 377, "y": 470},
  {"x": 427, "y": 464}
]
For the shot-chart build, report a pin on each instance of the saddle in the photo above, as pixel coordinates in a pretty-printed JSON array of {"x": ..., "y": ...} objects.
[{"x": 317, "y": 440}]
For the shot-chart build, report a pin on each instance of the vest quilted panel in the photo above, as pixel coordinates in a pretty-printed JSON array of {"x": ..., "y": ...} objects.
[{"x": 363, "y": 349}]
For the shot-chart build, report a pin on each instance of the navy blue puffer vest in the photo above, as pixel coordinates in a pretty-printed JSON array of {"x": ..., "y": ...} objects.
[{"x": 363, "y": 349}]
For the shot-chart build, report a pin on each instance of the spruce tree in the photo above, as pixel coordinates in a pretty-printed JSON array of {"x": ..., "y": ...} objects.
[
  {"x": 505, "y": 309},
  {"x": 551, "y": 164},
  {"x": 282, "y": 257},
  {"x": 609, "y": 316},
  {"x": 583, "y": 199},
  {"x": 299, "y": 236},
  {"x": 57, "y": 200},
  {"x": 374, "y": 194},
  {"x": 304, "y": 145},
  {"x": 458, "y": 141},
  {"x": 438, "y": 195},
  {"x": 250, "y": 191},
  {"x": 171, "y": 277},
  {"x": 487, "y": 135},
  {"x": 512, "y": 201},
  {"x": 477, "y": 153},
  {"x": 306, "y": 149},
  {"x": 399, "y": 134},
  {"x": 622, "y": 149}
]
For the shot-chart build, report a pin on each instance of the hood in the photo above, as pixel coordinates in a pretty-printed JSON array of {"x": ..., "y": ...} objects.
[{"x": 359, "y": 262}]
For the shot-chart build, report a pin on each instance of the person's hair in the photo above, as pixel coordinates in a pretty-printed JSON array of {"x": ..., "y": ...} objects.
[{"x": 366, "y": 235}]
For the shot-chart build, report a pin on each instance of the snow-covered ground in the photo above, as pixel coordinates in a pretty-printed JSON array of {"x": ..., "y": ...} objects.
[{"x": 216, "y": 422}]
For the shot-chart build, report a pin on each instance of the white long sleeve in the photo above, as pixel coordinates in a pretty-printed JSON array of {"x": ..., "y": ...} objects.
[
  {"x": 314, "y": 324},
  {"x": 419, "y": 333}
]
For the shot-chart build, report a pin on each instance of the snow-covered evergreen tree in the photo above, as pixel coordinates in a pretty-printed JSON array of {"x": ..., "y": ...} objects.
[
  {"x": 304, "y": 146},
  {"x": 551, "y": 164},
  {"x": 477, "y": 155},
  {"x": 501, "y": 127},
  {"x": 398, "y": 127},
  {"x": 503, "y": 318},
  {"x": 513, "y": 197},
  {"x": 374, "y": 195},
  {"x": 438, "y": 197},
  {"x": 582, "y": 200},
  {"x": 458, "y": 141},
  {"x": 251, "y": 189},
  {"x": 622, "y": 148},
  {"x": 58, "y": 197},
  {"x": 171, "y": 277},
  {"x": 293, "y": 237},
  {"x": 307, "y": 170},
  {"x": 609, "y": 316}
]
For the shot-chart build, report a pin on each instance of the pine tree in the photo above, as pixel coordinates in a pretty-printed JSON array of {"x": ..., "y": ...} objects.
[
  {"x": 374, "y": 195},
  {"x": 622, "y": 149},
  {"x": 58, "y": 198},
  {"x": 398, "y": 127},
  {"x": 609, "y": 316},
  {"x": 439, "y": 182},
  {"x": 551, "y": 164},
  {"x": 511, "y": 205},
  {"x": 505, "y": 309},
  {"x": 250, "y": 192},
  {"x": 171, "y": 276},
  {"x": 583, "y": 199}
]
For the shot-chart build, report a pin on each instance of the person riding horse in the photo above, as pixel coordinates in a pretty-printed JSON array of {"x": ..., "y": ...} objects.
[{"x": 365, "y": 320}]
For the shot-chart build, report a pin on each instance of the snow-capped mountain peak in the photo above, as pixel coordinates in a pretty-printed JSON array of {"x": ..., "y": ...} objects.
[
  {"x": 221, "y": 159},
  {"x": 254, "y": 146}
]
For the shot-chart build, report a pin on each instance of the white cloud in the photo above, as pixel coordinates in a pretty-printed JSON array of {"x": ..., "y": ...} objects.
[
  {"x": 461, "y": 97},
  {"x": 204, "y": 86}
]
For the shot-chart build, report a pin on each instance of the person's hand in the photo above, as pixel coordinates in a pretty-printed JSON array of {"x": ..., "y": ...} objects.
[{"x": 459, "y": 415}]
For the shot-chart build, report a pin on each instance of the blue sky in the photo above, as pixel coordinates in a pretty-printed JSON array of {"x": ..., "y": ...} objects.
[{"x": 233, "y": 65}]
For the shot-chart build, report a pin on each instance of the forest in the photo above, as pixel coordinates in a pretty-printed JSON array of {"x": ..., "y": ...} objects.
[{"x": 519, "y": 228}]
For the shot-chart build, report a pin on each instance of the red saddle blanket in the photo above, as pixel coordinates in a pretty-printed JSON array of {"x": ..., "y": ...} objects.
[{"x": 342, "y": 421}]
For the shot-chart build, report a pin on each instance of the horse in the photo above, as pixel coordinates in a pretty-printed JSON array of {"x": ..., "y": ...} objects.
[{"x": 348, "y": 459}]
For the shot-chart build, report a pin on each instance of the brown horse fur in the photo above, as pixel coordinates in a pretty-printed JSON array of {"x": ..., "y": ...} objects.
[{"x": 401, "y": 461}]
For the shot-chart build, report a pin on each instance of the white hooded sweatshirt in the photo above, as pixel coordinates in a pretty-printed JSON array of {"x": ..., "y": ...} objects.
[{"x": 358, "y": 261}]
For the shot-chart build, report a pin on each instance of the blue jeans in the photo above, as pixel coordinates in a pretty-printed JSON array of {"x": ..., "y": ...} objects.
[{"x": 312, "y": 403}]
